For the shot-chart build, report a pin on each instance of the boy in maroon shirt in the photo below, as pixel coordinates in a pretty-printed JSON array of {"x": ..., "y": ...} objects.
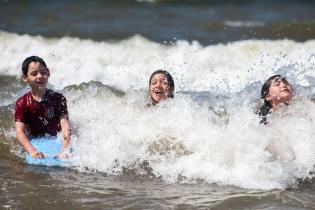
[{"x": 40, "y": 111}]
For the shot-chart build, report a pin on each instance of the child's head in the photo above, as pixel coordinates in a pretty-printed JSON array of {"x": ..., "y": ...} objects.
[
  {"x": 161, "y": 86},
  {"x": 35, "y": 72},
  {"x": 29, "y": 60},
  {"x": 276, "y": 90}
]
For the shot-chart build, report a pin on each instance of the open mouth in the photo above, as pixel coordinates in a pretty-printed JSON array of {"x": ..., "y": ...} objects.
[
  {"x": 286, "y": 90},
  {"x": 40, "y": 83},
  {"x": 158, "y": 92}
]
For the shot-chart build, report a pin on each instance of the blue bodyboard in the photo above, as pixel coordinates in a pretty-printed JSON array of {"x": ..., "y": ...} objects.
[{"x": 50, "y": 147}]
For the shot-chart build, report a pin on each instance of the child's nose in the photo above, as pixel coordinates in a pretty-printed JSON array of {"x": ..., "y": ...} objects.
[{"x": 40, "y": 75}]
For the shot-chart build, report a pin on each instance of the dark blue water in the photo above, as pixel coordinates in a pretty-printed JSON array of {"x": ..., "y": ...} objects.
[{"x": 163, "y": 21}]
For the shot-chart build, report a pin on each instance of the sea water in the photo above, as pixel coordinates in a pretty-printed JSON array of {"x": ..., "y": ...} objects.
[
  {"x": 203, "y": 149},
  {"x": 208, "y": 133}
]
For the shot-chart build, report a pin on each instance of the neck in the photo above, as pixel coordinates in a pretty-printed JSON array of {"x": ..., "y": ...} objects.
[
  {"x": 276, "y": 105},
  {"x": 153, "y": 102},
  {"x": 38, "y": 94}
]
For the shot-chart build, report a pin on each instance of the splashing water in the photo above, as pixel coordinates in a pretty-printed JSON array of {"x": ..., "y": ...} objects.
[{"x": 210, "y": 130}]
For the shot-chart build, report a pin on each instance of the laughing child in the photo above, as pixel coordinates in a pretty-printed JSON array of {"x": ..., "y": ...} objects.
[
  {"x": 41, "y": 111},
  {"x": 161, "y": 87}
]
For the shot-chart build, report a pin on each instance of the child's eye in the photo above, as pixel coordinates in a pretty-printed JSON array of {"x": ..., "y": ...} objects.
[
  {"x": 44, "y": 70},
  {"x": 45, "y": 73},
  {"x": 34, "y": 73}
]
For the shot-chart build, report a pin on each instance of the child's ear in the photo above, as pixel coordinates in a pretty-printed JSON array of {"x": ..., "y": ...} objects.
[
  {"x": 24, "y": 78},
  {"x": 268, "y": 98}
]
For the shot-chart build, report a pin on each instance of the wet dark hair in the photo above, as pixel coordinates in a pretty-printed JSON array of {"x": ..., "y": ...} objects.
[
  {"x": 29, "y": 60},
  {"x": 266, "y": 107},
  {"x": 169, "y": 78}
]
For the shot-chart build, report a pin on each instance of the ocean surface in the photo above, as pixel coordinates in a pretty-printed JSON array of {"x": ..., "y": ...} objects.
[{"x": 204, "y": 149}]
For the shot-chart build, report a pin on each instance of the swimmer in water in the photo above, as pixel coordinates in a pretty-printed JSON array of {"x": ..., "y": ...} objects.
[
  {"x": 161, "y": 87},
  {"x": 41, "y": 111},
  {"x": 275, "y": 92}
]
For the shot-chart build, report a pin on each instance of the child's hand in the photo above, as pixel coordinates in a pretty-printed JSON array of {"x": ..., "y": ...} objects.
[
  {"x": 37, "y": 155},
  {"x": 62, "y": 155}
]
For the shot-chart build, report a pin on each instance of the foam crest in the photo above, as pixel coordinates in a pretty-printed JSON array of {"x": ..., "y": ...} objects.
[{"x": 128, "y": 64}]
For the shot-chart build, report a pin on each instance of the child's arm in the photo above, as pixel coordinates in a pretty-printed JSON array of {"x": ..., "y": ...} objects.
[
  {"x": 66, "y": 131},
  {"x": 25, "y": 142}
]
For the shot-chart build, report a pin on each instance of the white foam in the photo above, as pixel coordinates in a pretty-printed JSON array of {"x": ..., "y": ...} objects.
[
  {"x": 128, "y": 64},
  {"x": 179, "y": 138}
]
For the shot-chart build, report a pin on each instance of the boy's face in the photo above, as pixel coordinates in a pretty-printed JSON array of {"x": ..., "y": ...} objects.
[{"x": 37, "y": 76}]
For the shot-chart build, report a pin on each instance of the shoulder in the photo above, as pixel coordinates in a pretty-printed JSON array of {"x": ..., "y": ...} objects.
[
  {"x": 23, "y": 99},
  {"x": 21, "y": 106}
]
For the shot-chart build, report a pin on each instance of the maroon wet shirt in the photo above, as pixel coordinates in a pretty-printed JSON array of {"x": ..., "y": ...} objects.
[{"x": 41, "y": 117}]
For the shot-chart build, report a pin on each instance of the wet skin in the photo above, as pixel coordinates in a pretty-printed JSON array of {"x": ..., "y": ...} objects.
[
  {"x": 280, "y": 91},
  {"x": 37, "y": 77},
  {"x": 159, "y": 88}
]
